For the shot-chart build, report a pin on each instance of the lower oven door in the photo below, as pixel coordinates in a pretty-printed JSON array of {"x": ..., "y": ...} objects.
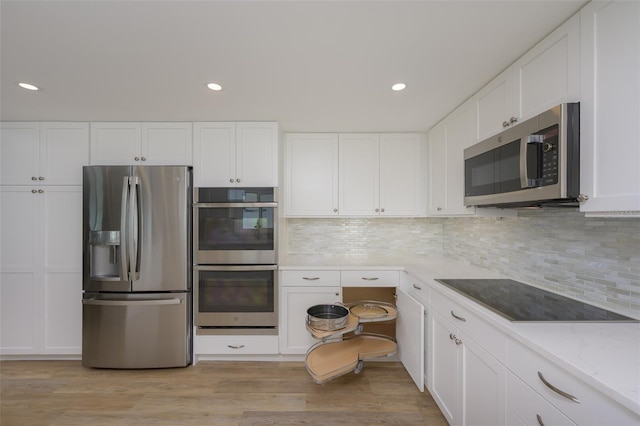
[{"x": 236, "y": 297}]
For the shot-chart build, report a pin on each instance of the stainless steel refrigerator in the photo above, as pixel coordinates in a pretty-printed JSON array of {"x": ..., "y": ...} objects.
[{"x": 137, "y": 298}]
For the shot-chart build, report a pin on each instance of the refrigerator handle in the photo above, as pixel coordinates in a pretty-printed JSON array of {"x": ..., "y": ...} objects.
[
  {"x": 134, "y": 228},
  {"x": 124, "y": 236},
  {"x": 151, "y": 302}
]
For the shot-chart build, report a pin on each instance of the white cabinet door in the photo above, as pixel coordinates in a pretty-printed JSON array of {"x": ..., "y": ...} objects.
[
  {"x": 166, "y": 144},
  {"x": 311, "y": 174},
  {"x": 43, "y": 153},
  {"x": 359, "y": 174},
  {"x": 257, "y": 154},
  {"x": 437, "y": 160},
  {"x": 443, "y": 375},
  {"x": 495, "y": 105},
  {"x": 214, "y": 155},
  {"x": 410, "y": 334},
  {"x": 610, "y": 107},
  {"x": 548, "y": 74},
  {"x": 61, "y": 318},
  {"x": 482, "y": 400},
  {"x": 294, "y": 302},
  {"x": 447, "y": 142},
  {"x": 115, "y": 143},
  {"x": 20, "y": 289},
  {"x": 41, "y": 268},
  {"x": 64, "y": 149},
  {"x": 401, "y": 175},
  {"x": 19, "y": 153}
]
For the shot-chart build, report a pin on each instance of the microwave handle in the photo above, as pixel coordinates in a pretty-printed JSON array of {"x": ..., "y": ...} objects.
[{"x": 526, "y": 144}]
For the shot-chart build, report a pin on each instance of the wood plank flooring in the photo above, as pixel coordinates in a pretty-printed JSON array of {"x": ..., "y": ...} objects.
[{"x": 210, "y": 393}]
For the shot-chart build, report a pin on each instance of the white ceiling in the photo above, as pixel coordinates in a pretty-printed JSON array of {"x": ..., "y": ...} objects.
[{"x": 312, "y": 66}]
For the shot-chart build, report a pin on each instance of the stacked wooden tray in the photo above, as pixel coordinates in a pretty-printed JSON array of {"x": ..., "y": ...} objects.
[{"x": 336, "y": 354}]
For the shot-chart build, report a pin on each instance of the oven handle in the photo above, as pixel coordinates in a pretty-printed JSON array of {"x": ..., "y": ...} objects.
[
  {"x": 232, "y": 205},
  {"x": 236, "y": 268}
]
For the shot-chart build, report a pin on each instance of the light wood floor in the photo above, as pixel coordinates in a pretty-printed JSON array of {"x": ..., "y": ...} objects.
[{"x": 210, "y": 393}]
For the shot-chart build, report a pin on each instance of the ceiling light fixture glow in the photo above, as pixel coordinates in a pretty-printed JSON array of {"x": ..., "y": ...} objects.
[
  {"x": 28, "y": 86},
  {"x": 398, "y": 86},
  {"x": 214, "y": 86}
]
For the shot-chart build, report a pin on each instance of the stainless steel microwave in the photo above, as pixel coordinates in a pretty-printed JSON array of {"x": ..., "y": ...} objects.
[{"x": 536, "y": 162}]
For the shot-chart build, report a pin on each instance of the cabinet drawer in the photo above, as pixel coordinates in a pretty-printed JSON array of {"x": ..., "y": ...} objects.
[
  {"x": 488, "y": 337},
  {"x": 366, "y": 278},
  {"x": 417, "y": 289},
  {"x": 311, "y": 277},
  {"x": 527, "y": 405},
  {"x": 235, "y": 345},
  {"x": 593, "y": 408}
]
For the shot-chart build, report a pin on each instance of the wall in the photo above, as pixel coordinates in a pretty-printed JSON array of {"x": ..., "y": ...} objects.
[{"x": 592, "y": 259}]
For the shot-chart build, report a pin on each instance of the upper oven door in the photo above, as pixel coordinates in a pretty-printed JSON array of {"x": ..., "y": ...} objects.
[{"x": 235, "y": 226}]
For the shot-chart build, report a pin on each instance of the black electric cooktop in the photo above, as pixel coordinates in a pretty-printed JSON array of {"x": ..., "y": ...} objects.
[{"x": 520, "y": 302}]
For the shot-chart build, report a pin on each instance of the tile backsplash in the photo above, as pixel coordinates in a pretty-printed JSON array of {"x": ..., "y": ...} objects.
[{"x": 596, "y": 260}]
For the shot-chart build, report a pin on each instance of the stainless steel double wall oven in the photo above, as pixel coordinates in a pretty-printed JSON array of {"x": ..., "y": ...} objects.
[{"x": 235, "y": 272}]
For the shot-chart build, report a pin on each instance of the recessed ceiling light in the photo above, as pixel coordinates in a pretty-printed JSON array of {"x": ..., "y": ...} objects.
[
  {"x": 28, "y": 86},
  {"x": 214, "y": 86},
  {"x": 398, "y": 86}
]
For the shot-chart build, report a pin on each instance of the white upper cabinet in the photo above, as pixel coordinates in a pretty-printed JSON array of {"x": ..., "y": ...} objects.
[
  {"x": 311, "y": 174},
  {"x": 447, "y": 142},
  {"x": 359, "y": 174},
  {"x": 402, "y": 189},
  {"x": 381, "y": 174},
  {"x": 230, "y": 154},
  {"x": 43, "y": 153},
  {"x": 610, "y": 108},
  {"x": 545, "y": 76},
  {"x": 141, "y": 144}
]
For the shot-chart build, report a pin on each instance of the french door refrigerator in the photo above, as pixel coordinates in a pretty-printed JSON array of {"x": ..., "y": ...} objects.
[{"x": 137, "y": 292}]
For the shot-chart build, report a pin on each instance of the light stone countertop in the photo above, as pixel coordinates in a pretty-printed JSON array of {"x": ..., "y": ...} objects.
[{"x": 604, "y": 355}]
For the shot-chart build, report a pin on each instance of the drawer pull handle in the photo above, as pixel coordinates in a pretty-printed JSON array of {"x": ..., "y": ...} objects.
[
  {"x": 540, "y": 422},
  {"x": 311, "y": 278},
  {"x": 417, "y": 287},
  {"x": 457, "y": 317},
  {"x": 370, "y": 279},
  {"x": 236, "y": 346},
  {"x": 558, "y": 391}
]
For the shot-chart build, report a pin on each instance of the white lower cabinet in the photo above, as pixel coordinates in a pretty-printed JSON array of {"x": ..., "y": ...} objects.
[
  {"x": 466, "y": 381},
  {"x": 580, "y": 403},
  {"x": 294, "y": 302},
  {"x": 526, "y": 408},
  {"x": 410, "y": 335},
  {"x": 41, "y": 270},
  {"x": 236, "y": 345}
]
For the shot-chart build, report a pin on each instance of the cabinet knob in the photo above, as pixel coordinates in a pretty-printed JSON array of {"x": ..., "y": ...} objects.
[
  {"x": 136, "y": 158},
  {"x": 439, "y": 208},
  {"x": 377, "y": 210},
  {"x": 238, "y": 180},
  {"x": 231, "y": 180},
  {"x": 540, "y": 422},
  {"x": 335, "y": 210},
  {"x": 505, "y": 124},
  {"x": 34, "y": 178},
  {"x": 582, "y": 198},
  {"x": 337, "y": 294},
  {"x": 382, "y": 210},
  {"x": 41, "y": 178},
  {"x": 34, "y": 191},
  {"x": 143, "y": 158},
  {"x": 513, "y": 120},
  {"x": 458, "y": 341},
  {"x": 40, "y": 191}
]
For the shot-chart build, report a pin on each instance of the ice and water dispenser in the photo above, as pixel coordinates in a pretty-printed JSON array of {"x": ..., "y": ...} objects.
[{"x": 105, "y": 254}]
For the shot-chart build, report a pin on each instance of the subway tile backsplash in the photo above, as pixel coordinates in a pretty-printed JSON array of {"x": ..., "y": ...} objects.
[{"x": 596, "y": 260}]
